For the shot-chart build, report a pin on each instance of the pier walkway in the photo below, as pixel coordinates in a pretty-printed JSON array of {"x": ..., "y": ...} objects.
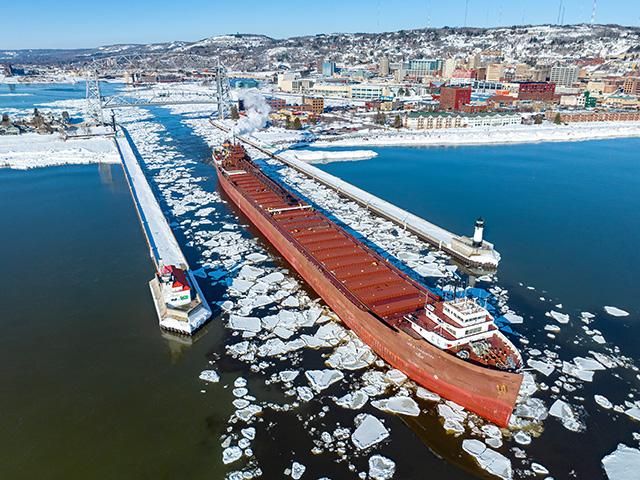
[{"x": 163, "y": 245}]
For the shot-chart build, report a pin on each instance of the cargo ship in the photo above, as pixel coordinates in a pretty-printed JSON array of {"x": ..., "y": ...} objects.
[{"x": 449, "y": 346}]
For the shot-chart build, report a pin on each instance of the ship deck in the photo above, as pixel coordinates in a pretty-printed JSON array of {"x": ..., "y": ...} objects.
[{"x": 362, "y": 274}]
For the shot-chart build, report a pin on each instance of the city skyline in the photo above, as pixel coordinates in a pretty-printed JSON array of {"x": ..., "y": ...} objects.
[{"x": 146, "y": 22}]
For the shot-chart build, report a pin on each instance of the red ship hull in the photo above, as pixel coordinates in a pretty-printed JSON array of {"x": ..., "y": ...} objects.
[{"x": 486, "y": 392}]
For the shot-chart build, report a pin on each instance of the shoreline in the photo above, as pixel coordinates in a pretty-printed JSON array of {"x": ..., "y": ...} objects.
[{"x": 487, "y": 136}]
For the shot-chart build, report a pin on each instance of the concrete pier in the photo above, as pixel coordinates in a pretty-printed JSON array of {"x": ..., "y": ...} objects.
[{"x": 163, "y": 246}]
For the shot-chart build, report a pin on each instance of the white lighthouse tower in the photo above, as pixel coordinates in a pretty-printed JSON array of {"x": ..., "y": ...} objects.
[{"x": 477, "y": 232}]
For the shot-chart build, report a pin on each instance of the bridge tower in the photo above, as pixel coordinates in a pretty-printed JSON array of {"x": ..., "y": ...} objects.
[
  {"x": 94, "y": 97},
  {"x": 222, "y": 91}
]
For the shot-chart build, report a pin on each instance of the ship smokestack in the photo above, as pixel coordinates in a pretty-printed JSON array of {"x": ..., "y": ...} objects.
[{"x": 477, "y": 232}]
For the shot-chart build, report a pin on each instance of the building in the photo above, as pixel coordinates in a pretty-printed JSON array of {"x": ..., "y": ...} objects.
[
  {"x": 384, "y": 69},
  {"x": 536, "y": 91},
  {"x": 453, "y": 98},
  {"x": 474, "y": 62},
  {"x": 285, "y": 81},
  {"x": 631, "y": 86},
  {"x": 442, "y": 120},
  {"x": 276, "y": 103},
  {"x": 367, "y": 91},
  {"x": 541, "y": 74},
  {"x": 495, "y": 72},
  {"x": 424, "y": 67},
  {"x": 328, "y": 68},
  {"x": 326, "y": 89},
  {"x": 565, "y": 76},
  {"x": 449, "y": 67},
  {"x": 591, "y": 116},
  {"x": 315, "y": 104}
]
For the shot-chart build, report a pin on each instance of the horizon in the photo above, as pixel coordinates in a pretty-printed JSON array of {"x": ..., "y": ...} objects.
[{"x": 149, "y": 23}]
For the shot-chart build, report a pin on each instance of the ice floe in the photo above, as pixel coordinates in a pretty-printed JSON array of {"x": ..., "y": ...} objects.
[
  {"x": 369, "y": 431},
  {"x": 493, "y": 462},
  {"x": 381, "y": 468},
  {"x": 615, "y": 311},
  {"x": 398, "y": 404},
  {"x": 623, "y": 463}
]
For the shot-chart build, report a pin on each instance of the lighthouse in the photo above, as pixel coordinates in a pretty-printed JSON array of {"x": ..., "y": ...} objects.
[{"x": 477, "y": 232}]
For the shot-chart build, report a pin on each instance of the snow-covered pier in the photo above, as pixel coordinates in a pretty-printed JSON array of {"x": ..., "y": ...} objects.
[
  {"x": 467, "y": 250},
  {"x": 163, "y": 245}
]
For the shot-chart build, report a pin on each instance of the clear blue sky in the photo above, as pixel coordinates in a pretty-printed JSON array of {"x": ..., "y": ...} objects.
[{"x": 73, "y": 24}]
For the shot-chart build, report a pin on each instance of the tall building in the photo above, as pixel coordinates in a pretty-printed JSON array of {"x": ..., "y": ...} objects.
[
  {"x": 423, "y": 67},
  {"x": 565, "y": 76},
  {"x": 328, "y": 68},
  {"x": 449, "y": 67},
  {"x": 384, "y": 66},
  {"x": 495, "y": 72},
  {"x": 453, "y": 98},
  {"x": 541, "y": 74},
  {"x": 474, "y": 61}
]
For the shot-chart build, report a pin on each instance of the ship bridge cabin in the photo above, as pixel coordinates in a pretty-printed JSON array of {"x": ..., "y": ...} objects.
[{"x": 453, "y": 323}]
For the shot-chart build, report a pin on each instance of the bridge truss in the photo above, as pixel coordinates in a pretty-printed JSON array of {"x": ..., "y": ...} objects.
[{"x": 214, "y": 73}]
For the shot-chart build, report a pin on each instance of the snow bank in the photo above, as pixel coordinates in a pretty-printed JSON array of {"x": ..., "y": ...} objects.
[
  {"x": 484, "y": 136},
  {"x": 316, "y": 156},
  {"x": 32, "y": 150}
]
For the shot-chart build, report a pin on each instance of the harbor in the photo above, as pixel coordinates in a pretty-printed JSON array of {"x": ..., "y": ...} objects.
[
  {"x": 178, "y": 299},
  {"x": 472, "y": 251}
]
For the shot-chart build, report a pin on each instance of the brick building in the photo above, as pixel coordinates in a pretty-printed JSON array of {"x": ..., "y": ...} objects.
[
  {"x": 589, "y": 116},
  {"x": 544, "y": 91},
  {"x": 453, "y": 98}
]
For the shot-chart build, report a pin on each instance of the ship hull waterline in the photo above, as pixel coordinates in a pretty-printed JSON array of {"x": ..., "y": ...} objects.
[{"x": 489, "y": 393}]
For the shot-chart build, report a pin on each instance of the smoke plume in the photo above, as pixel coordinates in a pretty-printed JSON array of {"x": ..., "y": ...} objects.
[{"x": 256, "y": 110}]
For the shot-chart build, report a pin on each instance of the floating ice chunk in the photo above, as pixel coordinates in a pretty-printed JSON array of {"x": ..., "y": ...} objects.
[
  {"x": 552, "y": 328},
  {"x": 603, "y": 401},
  {"x": 353, "y": 400},
  {"x": 290, "y": 301},
  {"x": 381, "y": 468},
  {"x": 395, "y": 376},
  {"x": 616, "y": 312},
  {"x": 539, "y": 469},
  {"x": 543, "y": 367},
  {"x": 322, "y": 379},
  {"x": 240, "y": 285},
  {"x": 210, "y": 376},
  {"x": 489, "y": 460},
  {"x": 533, "y": 409},
  {"x": 256, "y": 257},
  {"x": 634, "y": 413},
  {"x": 227, "y": 305},
  {"x": 588, "y": 364},
  {"x": 565, "y": 413},
  {"x": 297, "y": 470},
  {"x": 245, "y": 414},
  {"x": 623, "y": 464},
  {"x": 522, "y": 438},
  {"x": 273, "y": 278},
  {"x": 231, "y": 454},
  {"x": 248, "y": 433},
  {"x": 249, "y": 272},
  {"x": 369, "y": 431},
  {"x": 513, "y": 318},
  {"x": 599, "y": 339},
  {"x": 577, "y": 372},
  {"x": 430, "y": 270},
  {"x": 425, "y": 394},
  {"x": 398, "y": 404},
  {"x": 287, "y": 376},
  {"x": 351, "y": 356},
  {"x": 305, "y": 393},
  {"x": 247, "y": 324},
  {"x": 558, "y": 317}
]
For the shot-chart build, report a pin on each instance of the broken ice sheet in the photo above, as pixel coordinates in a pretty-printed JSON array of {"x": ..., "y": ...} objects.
[
  {"x": 322, "y": 379},
  {"x": 622, "y": 464},
  {"x": 488, "y": 459},
  {"x": 353, "y": 400},
  {"x": 369, "y": 431},
  {"x": 566, "y": 414},
  {"x": 398, "y": 404}
]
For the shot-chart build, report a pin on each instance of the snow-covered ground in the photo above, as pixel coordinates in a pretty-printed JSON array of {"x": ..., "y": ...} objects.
[
  {"x": 484, "y": 136},
  {"x": 32, "y": 150}
]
